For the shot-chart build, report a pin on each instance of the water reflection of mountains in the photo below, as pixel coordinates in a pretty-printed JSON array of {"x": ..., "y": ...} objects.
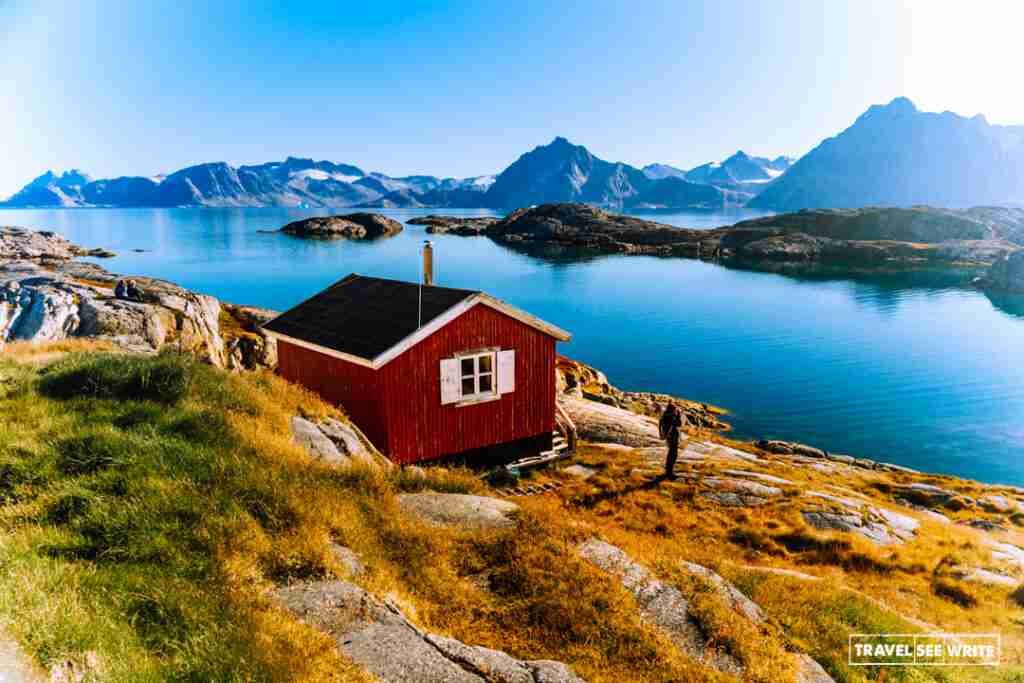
[{"x": 881, "y": 289}]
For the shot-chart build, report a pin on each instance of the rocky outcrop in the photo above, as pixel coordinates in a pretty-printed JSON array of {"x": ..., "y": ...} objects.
[
  {"x": 862, "y": 238},
  {"x": 459, "y": 510},
  {"x": 47, "y": 296},
  {"x": 1006, "y": 274},
  {"x": 877, "y": 524},
  {"x": 455, "y": 225},
  {"x": 23, "y": 244},
  {"x": 601, "y": 423},
  {"x": 584, "y": 227},
  {"x": 375, "y": 635},
  {"x": 573, "y": 378},
  {"x": 660, "y": 604},
  {"x": 353, "y": 226},
  {"x": 60, "y": 300},
  {"x": 737, "y": 492},
  {"x": 247, "y": 345},
  {"x": 333, "y": 442}
]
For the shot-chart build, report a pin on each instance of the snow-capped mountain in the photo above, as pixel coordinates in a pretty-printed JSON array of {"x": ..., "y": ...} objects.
[
  {"x": 292, "y": 182},
  {"x": 739, "y": 169}
]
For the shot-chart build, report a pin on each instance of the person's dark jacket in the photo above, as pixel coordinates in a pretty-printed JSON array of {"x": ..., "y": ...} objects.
[{"x": 671, "y": 424}]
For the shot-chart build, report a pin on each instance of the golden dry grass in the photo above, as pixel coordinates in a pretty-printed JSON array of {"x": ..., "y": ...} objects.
[{"x": 192, "y": 599}]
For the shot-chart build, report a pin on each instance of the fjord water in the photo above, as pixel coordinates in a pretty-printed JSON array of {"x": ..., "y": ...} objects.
[{"x": 915, "y": 369}]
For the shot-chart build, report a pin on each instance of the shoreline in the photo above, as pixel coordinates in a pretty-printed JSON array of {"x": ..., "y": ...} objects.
[{"x": 240, "y": 344}]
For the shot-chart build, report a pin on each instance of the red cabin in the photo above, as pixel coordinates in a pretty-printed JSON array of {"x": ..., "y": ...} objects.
[{"x": 426, "y": 372}]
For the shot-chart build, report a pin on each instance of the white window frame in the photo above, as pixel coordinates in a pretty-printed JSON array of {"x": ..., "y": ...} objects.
[{"x": 478, "y": 395}]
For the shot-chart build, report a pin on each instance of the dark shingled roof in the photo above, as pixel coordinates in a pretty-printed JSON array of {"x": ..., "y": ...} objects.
[{"x": 365, "y": 316}]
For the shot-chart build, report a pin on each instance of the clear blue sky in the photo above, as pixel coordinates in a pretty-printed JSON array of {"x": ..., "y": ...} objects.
[{"x": 462, "y": 88}]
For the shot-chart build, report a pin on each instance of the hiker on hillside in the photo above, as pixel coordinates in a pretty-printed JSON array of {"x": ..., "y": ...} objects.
[{"x": 671, "y": 428}]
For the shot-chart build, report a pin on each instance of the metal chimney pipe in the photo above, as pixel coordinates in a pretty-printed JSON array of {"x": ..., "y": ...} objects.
[{"x": 428, "y": 263}]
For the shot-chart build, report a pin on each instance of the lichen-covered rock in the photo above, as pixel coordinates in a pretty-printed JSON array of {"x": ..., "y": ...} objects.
[
  {"x": 732, "y": 492},
  {"x": 460, "y": 510},
  {"x": 660, "y": 604},
  {"x": 346, "y": 440},
  {"x": 309, "y": 436},
  {"x": 378, "y": 637}
]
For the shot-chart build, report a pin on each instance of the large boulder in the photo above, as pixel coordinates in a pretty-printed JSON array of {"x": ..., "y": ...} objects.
[
  {"x": 459, "y": 510},
  {"x": 375, "y": 635},
  {"x": 356, "y": 226},
  {"x": 331, "y": 441},
  {"x": 603, "y": 423}
]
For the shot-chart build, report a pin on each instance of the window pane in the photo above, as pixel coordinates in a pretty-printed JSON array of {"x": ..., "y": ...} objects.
[
  {"x": 485, "y": 363},
  {"x": 467, "y": 387},
  {"x": 467, "y": 366},
  {"x": 485, "y": 383}
]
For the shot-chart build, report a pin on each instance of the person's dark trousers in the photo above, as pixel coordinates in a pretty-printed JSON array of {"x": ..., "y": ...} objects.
[{"x": 670, "y": 461}]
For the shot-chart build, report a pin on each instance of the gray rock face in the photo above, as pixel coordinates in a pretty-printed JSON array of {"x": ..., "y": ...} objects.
[
  {"x": 23, "y": 244},
  {"x": 876, "y": 524},
  {"x": 356, "y": 226},
  {"x": 660, "y": 604},
  {"x": 458, "y": 509},
  {"x": 732, "y": 492},
  {"x": 309, "y": 436},
  {"x": 1007, "y": 552},
  {"x": 331, "y": 441},
  {"x": 728, "y": 592},
  {"x": 999, "y": 503},
  {"x": 790, "y": 448},
  {"x": 931, "y": 496},
  {"x": 377, "y": 636},
  {"x": 602, "y": 423},
  {"x": 766, "y": 478},
  {"x": 62, "y": 299},
  {"x": 985, "y": 576},
  {"x": 345, "y": 439},
  {"x": 1007, "y": 273}
]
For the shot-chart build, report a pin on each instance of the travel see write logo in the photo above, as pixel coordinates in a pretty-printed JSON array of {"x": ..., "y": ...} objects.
[{"x": 924, "y": 649}]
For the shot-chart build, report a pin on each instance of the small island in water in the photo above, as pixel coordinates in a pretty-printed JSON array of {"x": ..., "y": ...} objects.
[{"x": 870, "y": 238}]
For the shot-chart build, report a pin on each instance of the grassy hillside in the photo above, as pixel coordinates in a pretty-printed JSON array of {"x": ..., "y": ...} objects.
[{"x": 148, "y": 504}]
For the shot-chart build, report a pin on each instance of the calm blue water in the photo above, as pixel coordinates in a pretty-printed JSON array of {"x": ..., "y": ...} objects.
[{"x": 913, "y": 369}]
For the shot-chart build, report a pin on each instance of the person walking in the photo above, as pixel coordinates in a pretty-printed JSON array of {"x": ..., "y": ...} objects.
[{"x": 671, "y": 427}]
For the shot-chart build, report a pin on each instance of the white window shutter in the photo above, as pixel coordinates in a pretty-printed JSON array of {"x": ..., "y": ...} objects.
[
  {"x": 506, "y": 371},
  {"x": 450, "y": 389}
]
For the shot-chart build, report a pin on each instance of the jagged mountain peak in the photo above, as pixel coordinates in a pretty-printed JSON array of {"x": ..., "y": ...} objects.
[
  {"x": 897, "y": 155},
  {"x": 70, "y": 178}
]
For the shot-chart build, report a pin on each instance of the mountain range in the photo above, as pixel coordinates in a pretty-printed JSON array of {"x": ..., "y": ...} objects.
[
  {"x": 896, "y": 155},
  {"x": 559, "y": 171},
  {"x": 892, "y": 155}
]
